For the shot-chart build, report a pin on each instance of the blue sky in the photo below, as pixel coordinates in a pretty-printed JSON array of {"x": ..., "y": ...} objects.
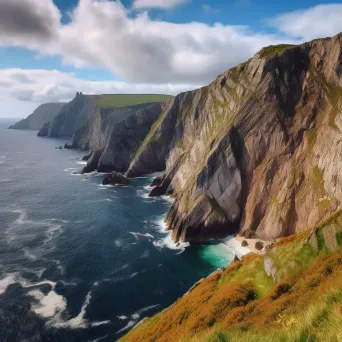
[{"x": 49, "y": 49}]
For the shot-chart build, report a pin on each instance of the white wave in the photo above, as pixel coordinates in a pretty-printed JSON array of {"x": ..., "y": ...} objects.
[
  {"x": 135, "y": 318},
  {"x": 136, "y": 235},
  {"x": 48, "y": 305},
  {"x": 141, "y": 311},
  {"x": 145, "y": 255},
  {"x": 235, "y": 246},
  {"x": 97, "y": 324},
  {"x": 167, "y": 198},
  {"x": 127, "y": 326},
  {"x": 82, "y": 162},
  {"x": 7, "y": 281},
  {"x": 101, "y": 200},
  {"x": 118, "y": 243},
  {"x": 143, "y": 194},
  {"x": 23, "y": 230},
  {"x": 123, "y": 318},
  {"x": 99, "y": 339},
  {"x": 108, "y": 186},
  {"x": 29, "y": 255},
  {"x": 168, "y": 243},
  {"x": 70, "y": 169},
  {"x": 78, "y": 322}
]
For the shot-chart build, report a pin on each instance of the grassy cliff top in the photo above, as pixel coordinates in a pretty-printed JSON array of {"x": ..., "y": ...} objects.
[
  {"x": 293, "y": 293},
  {"x": 122, "y": 100}
]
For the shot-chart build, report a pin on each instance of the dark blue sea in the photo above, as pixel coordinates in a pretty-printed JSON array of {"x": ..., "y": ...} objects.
[{"x": 80, "y": 261}]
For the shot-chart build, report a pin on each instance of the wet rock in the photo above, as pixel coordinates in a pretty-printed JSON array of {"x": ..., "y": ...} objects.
[
  {"x": 115, "y": 178},
  {"x": 259, "y": 245},
  {"x": 244, "y": 243}
]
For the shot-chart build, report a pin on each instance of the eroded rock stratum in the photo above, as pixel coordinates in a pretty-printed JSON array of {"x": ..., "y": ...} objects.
[{"x": 258, "y": 150}]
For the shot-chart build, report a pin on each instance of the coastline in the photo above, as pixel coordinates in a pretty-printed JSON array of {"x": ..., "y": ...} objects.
[{"x": 236, "y": 243}]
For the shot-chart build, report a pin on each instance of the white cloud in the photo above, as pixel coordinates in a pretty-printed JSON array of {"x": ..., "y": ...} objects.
[
  {"x": 315, "y": 22},
  {"x": 28, "y": 22},
  {"x": 163, "y": 4},
  {"x": 33, "y": 87},
  {"x": 139, "y": 49},
  {"x": 149, "y": 55}
]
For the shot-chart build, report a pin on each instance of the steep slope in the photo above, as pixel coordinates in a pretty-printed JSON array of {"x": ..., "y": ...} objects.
[
  {"x": 253, "y": 150},
  {"x": 35, "y": 121},
  {"x": 97, "y": 130},
  {"x": 70, "y": 118},
  {"x": 269, "y": 297},
  {"x": 126, "y": 136}
]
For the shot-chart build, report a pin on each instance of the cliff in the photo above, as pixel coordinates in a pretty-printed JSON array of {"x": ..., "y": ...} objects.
[
  {"x": 35, "y": 121},
  {"x": 98, "y": 128},
  {"x": 256, "y": 151},
  {"x": 70, "y": 118},
  {"x": 126, "y": 137}
]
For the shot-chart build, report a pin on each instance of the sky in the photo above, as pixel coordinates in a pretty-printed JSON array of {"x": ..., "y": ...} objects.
[{"x": 51, "y": 49}]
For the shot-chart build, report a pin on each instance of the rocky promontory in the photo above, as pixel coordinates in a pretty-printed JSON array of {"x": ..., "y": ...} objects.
[
  {"x": 43, "y": 114},
  {"x": 256, "y": 151}
]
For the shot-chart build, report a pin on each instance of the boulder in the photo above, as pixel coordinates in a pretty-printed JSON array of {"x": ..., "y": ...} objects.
[
  {"x": 259, "y": 245},
  {"x": 87, "y": 156},
  {"x": 156, "y": 182},
  {"x": 115, "y": 178},
  {"x": 244, "y": 243},
  {"x": 93, "y": 160},
  {"x": 67, "y": 146}
]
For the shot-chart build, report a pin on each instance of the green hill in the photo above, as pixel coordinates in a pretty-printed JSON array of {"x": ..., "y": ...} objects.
[{"x": 122, "y": 100}]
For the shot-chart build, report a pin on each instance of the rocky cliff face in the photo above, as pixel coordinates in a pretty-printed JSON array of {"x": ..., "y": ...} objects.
[
  {"x": 70, "y": 118},
  {"x": 43, "y": 114},
  {"x": 126, "y": 136},
  {"x": 259, "y": 150},
  {"x": 97, "y": 130}
]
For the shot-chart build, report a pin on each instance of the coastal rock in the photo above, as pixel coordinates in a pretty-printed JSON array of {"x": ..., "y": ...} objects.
[
  {"x": 93, "y": 160},
  {"x": 259, "y": 245},
  {"x": 254, "y": 148},
  {"x": 70, "y": 117},
  {"x": 156, "y": 182},
  {"x": 126, "y": 136},
  {"x": 244, "y": 243},
  {"x": 43, "y": 114},
  {"x": 87, "y": 156},
  {"x": 115, "y": 178}
]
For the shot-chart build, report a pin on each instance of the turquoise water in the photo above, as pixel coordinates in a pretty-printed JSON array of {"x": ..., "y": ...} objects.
[{"x": 79, "y": 261}]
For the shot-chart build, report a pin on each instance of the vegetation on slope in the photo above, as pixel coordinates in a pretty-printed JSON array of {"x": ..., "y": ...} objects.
[
  {"x": 122, "y": 100},
  {"x": 291, "y": 293},
  {"x": 273, "y": 50}
]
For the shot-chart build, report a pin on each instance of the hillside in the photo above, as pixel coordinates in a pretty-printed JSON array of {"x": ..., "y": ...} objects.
[
  {"x": 269, "y": 297},
  {"x": 89, "y": 119},
  {"x": 35, "y": 121},
  {"x": 122, "y": 100},
  {"x": 252, "y": 151}
]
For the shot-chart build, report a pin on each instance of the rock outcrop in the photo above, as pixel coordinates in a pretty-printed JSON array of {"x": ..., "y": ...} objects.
[
  {"x": 258, "y": 150},
  {"x": 98, "y": 129},
  {"x": 43, "y": 114},
  {"x": 126, "y": 136},
  {"x": 70, "y": 118},
  {"x": 93, "y": 160},
  {"x": 115, "y": 178}
]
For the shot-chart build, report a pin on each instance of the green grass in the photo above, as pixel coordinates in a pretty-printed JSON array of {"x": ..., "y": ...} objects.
[
  {"x": 123, "y": 100},
  {"x": 273, "y": 50}
]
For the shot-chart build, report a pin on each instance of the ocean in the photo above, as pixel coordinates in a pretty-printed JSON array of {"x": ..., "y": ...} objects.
[{"x": 80, "y": 261}]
